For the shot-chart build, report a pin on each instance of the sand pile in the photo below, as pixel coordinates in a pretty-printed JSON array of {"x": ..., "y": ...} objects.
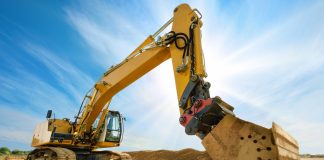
[{"x": 185, "y": 154}]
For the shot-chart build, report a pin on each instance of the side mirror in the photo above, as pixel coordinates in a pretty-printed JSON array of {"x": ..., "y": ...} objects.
[{"x": 49, "y": 114}]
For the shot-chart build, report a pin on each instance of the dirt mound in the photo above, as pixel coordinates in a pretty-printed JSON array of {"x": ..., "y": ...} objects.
[{"x": 185, "y": 154}]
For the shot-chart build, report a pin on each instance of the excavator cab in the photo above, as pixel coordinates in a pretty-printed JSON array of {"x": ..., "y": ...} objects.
[
  {"x": 114, "y": 127},
  {"x": 112, "y": 131}
]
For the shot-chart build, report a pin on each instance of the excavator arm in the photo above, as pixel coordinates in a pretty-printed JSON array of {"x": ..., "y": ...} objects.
[
  {"x": 210, "y": 118},
  {"x": 183, "y": 46}
]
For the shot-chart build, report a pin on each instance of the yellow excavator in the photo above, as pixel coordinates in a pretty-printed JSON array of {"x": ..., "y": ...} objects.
[{"x": 224, "y": 136}]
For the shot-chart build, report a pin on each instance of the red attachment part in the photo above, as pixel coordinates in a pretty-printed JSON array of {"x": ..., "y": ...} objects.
[{"x": 195, "y": 108}]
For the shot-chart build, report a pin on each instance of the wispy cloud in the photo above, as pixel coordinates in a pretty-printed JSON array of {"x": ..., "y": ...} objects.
[
  {"x": 26, "y": 96},
  {"x": 106, "y": 30},
  {"x": 68, "y": 76},
  {"x": 35, "y": 95}
]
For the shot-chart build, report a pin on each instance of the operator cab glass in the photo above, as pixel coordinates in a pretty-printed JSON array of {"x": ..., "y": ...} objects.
[{"x": 114, "y": 129}]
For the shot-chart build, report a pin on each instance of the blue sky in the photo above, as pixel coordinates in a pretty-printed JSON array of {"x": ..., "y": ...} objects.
[{"x": 266, "y": 58}]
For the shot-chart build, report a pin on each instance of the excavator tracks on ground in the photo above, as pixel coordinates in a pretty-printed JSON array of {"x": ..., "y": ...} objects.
[
  {"x": 51, "y": 153},
  {"x": 57, "y": 153}
]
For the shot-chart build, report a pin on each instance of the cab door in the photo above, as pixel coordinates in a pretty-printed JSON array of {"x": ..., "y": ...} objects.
[
  {"x": 114, "y": 129},
  {"x": 112, "y": 132}
]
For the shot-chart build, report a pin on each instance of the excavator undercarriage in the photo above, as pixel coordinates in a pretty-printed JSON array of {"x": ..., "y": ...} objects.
[{"x": 58, "y": 153}]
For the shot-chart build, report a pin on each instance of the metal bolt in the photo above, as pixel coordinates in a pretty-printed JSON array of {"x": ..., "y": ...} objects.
[
  {"x": 194, "y": 78},
  {"x": 181, "y": 68},
  {"x": 182, "y": 119},
  {"x": 207, "y": 85},
  {"x": 193, "y": 18},
  {"x": 197, "y": 103}
]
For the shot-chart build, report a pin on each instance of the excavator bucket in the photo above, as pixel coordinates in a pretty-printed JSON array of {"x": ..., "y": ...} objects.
[{"x": 236, "y": 139}]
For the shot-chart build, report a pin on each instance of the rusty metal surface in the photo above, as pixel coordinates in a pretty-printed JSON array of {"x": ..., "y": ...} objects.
[
  {"x": 236, "y": 139},
  {"x": 287, "y": 146}
]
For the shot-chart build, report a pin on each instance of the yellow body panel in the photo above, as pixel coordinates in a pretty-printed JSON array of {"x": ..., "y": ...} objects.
[
  {"x": 106, "y": 144},
  {"x": 62, "y": 126},
  {"x": 101, "y": 121},
  {"x": 182, "y": 16}
]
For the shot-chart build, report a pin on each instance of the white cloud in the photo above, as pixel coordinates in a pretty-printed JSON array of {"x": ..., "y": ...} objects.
[
  {"x": 106, "y": 30},
  {"x": 68, "y": 76},
  {"x": 35, "y": 95}
]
